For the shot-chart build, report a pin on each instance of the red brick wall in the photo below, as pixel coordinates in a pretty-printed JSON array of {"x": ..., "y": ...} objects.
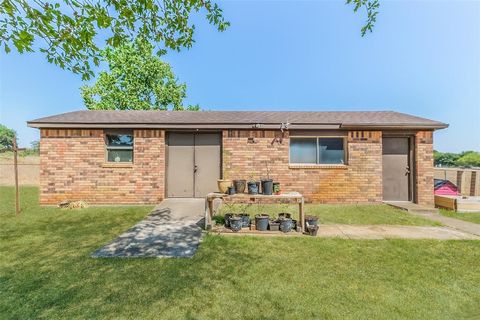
[
  {"x": 358, "y": 181},
  {"x": 425, "y": 169},
  {"x": 72, "y": 167}
]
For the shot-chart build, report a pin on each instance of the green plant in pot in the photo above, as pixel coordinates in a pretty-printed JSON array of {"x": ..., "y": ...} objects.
[
  {"x": 230, "y": 213},
  {"x": 252, "y": 185},
  {"x": 285, "y": 218},
  {"x": 313, "y": 230},
  {"x": 244, "y": 215},
  {"x": 286, "y": 224},
  {"x": 311, "y": 220},
  {"x": 276, "y": 188},
  {"x": 261, "y": 219},
  {"x": 284, "y": 210},
  {"x": 239, "y": 185},
  {"x": 236, "y": 223},
  {"x": 267, "y": 184}
]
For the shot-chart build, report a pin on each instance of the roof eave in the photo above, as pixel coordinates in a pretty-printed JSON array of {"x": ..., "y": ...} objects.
[
  {"x": 304, "y": 126},
  {"x": 194, "y": 126},
  {"x": 404, "y": 126}
]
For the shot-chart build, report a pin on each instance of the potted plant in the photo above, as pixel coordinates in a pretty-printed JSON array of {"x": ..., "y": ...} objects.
[
  {"x": 252, "y": 186},
  {"x": 284, "y": 207},
  {"x": 227, "y": 219},
  {"x": 223, "y": 185},
  {"x": 231, "y": 190},
  {"x": 244, "y": 215},
  {"x": 286, "y": 224},
  {"x": 312, "y": 230},
  {"x": 267, "y": 184},
  {"x": 261, "y": 221},
  {"x": 311, "y": 220},
  {"x": 276, "y": 187},
  {"x": 229, "y": 213},
  {"x": 239, "y": 185},
  {"x": 236, "y": 223}
]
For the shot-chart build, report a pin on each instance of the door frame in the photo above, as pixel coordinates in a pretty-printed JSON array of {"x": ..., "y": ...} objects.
[
  {"x": 194, "y": 132},
  {"x": 412, "y": 181}
]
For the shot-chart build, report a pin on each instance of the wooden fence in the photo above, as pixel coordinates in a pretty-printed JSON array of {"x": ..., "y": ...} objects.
[
  {"x": 28, "y": 174},
  {"x": 467, "y": 180}
]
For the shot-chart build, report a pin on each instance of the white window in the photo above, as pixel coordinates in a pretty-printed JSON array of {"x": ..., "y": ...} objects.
[
  {"x": 317, "y": 150},
  {"x": 119, "y": 146}
]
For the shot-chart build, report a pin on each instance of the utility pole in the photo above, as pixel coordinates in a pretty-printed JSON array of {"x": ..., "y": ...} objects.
[{"x": 15, "y": 168}]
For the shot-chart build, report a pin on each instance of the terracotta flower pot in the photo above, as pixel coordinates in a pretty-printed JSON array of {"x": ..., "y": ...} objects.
[{"x": 223, "y": 185}]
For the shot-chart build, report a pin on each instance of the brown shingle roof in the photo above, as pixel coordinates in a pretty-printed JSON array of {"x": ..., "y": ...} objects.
[{"x": 235, "y": 119}]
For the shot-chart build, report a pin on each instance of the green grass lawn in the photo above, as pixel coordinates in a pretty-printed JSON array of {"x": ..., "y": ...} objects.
[
  {"x": 338, "y": 214},
  {"x": 46, "y": 272},
  {"x": 467, "y": 216}
]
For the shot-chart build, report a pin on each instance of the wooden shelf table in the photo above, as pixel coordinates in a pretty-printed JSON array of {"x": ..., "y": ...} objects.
[{"x": 294, "y": 197}]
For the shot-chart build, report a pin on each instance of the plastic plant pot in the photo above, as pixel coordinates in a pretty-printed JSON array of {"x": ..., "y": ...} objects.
[
  {"x": 311, "y": 220},
  {"x": 227, "y": 219},
  {"x": 231, "y": 190},
  {"x": 274, "y": 226},
  {"x": 313, "y": 230},
  {"x": 261, "y": 222},
  {"x": 236, "y": 223},
  {"x": 267, "y": 187},
  {"x": 252, "y": 188},
  {"x": 245, "y": 220},
  {"x": 286, "y": 225}
]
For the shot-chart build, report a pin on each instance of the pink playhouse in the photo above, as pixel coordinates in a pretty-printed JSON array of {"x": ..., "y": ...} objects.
[{"x": 445, "y": 188}]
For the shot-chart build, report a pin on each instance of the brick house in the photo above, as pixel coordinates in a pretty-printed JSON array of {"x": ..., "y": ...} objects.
[{"x": 136, "y": 157}]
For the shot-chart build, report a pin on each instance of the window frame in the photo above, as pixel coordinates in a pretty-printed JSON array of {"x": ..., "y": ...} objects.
[
  {"x": 317, "y": 163},
  {"x": 108, "y": 148}
]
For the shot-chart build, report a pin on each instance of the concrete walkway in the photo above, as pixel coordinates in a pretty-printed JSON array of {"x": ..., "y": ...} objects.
[
  {"x": 391, "y": 231},
  {"x": 367, "y": 232},
  {"x": 465, "y": 226},
  {"x": 172, "y": 229}
]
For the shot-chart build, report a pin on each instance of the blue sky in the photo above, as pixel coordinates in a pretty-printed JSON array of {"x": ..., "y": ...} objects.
[{"x": 423, "y": 58}]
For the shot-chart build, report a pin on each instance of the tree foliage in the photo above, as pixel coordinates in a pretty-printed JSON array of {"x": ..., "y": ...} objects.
[
  {"x": 72, "y": 29},
  {"x": 71, "y": 33},
  {"x": 6, "y": 137},
  {"x": 137, "y": 80},
  {"x": 371, "y": 9},
  {"x": 469, "y": 159},
  {"x": 463, "y": 159}
]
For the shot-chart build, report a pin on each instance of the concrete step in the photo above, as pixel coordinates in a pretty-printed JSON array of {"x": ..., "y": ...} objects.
[{"x": 412, "y": 207}]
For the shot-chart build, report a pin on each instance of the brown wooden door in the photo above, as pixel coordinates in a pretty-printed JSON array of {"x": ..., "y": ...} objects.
[
  {"x": 193, "y": 164},
  {"x": 396, "y": 171},
  {"x": 180, "y": 163},
  {"x": 207, "y": 163}
]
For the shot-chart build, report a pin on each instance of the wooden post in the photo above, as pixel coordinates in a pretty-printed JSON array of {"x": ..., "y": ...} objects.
[
  {"x": 301, "y": 214},
  {"x": 15, "y": 168}
]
